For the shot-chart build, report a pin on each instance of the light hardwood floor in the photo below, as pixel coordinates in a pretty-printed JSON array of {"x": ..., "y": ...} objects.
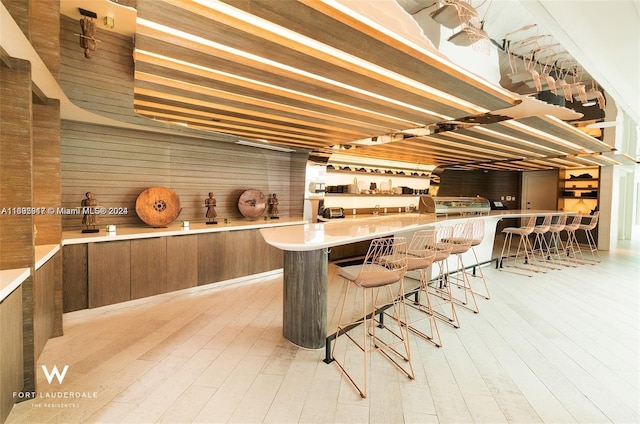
[{"x": 561, "y": 347}]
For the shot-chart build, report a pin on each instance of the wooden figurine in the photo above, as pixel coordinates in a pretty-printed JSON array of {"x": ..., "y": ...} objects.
[
  {"x": 273, "y": 202},
  {"x": 210, "y": 203},
  {"x": 90, "y": 217}
]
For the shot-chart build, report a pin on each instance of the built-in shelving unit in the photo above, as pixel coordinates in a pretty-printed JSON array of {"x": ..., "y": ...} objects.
[{"x": 578, "y": 190}]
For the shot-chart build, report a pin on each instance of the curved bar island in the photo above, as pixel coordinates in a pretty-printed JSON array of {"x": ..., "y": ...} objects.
[{"x": 306, "y": 249}]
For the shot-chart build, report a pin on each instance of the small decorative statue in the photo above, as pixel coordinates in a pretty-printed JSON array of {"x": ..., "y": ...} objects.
[
  {"x": 210, "y": 204},
  {"x": 273, "y": 202},
  {"x": 89, "y": 218}
]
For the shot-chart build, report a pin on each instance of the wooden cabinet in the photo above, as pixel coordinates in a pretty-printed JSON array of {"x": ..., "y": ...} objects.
[
  {"x": 101, "y": 273},
  {"x": 182, "y": 262},
  {"x": 109, "y": 272},
  {"x": 148, "y": 267},
  {"x": 578, "y": 190},
  {"x": 75, "y": 290}
]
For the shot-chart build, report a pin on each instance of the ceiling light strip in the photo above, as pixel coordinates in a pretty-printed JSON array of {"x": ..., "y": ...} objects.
[
  {"x": 497, "y": 91},
  {"x": 515, "y": 139},
  {"x": 348, "y": 61},
  {"x": 271, "y": 88},
  {"x": 267, "y": 62}
]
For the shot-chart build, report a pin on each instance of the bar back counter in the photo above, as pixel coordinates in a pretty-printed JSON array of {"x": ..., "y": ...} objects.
[
  {"x": 132, "y": 263},
  {"x": 306, "y": 248}
]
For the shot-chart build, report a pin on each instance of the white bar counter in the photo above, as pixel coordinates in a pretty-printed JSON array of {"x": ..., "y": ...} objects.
[
  {"x": 142, "y": 232},
  {"x": 306, "y": 250}
]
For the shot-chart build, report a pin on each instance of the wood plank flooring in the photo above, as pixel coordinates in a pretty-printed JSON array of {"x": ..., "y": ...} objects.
[{"x": 561, "y": 347}]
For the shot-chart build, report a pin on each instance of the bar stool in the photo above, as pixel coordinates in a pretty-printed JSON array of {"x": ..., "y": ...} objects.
[
  {"x": 441, "y": 288},
  {"x": 541, "y": 242},
  {"x": 588, "y": 228},
  {"x": 462, "y": 239},
  {"x": 420, "y": 256},
  {"x": 477, "y": 235},
  {"x": 384, "y": 266},
  {"x": 524, "y": 245},
  {"x": 555, "y": 241},
  {"x": 572, "y": 248}
]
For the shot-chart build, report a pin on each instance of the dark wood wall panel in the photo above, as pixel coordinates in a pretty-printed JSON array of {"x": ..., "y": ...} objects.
[
  {"x": 45, "y": 33},
  {"x": 117, "y": 164},
  {"x": 11, "y": 371},
  {"x": 148, "y": 267},
  {"x": 16, "y": 230},
  {"x": 74, "y": 277},
  {"x": 109, "y": 271},
  {"x": 491, "y": 185},
  {"x": 19, "y": 11},
  {"x": 104, "y": 83},
  {"x": 44, "y": 308},
  {"x": 46, "y": 171},
  {"x": 182, "y": 262}
]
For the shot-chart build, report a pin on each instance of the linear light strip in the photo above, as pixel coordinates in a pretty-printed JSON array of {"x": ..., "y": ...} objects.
[
  {"x": 348, "y": 58},
  {"x": 270, "y": 86},
  {"x": 490, "y": 144},
  {"x": 212, "y": 44},
  {"x": 538, "y": 133},
  {"x": 346, "y": 10},
  {"x": 516, "y": 140}
]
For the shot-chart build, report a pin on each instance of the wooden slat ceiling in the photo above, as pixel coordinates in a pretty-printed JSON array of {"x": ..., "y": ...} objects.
[{"x": 305, "y": 74}]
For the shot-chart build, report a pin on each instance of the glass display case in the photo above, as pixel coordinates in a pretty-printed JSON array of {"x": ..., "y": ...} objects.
[{"x": 454, "y": 205}]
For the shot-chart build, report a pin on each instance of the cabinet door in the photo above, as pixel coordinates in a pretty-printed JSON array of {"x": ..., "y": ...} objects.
[
  {"x": 109, "y": 272},
  {"x": 74, "y": 277},
  {"x": 148, "y": 267},
  {"x": 182, "y": 262}
]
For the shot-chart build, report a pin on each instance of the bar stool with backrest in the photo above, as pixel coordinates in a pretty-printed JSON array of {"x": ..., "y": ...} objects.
[
  {"x": 588, "y": 228},
  {"x": 556, "y": 247},
  {"x": 572, "y": 247},
  {"x": 441, "y": 288},
  {"x": 525, "y": 249},
  {"x": 462, "y": 238},
  {"x": 541, "y": 244},
  {"x": 477, "y": 235},
  {"x": 383, "y": 270},
  {"x": 420, "y": 256}
]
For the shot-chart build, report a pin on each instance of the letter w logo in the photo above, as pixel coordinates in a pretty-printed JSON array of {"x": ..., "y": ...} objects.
[{"x": 55, "y": 373}]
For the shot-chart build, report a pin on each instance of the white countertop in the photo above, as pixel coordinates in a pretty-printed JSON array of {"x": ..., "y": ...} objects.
[
  {"x": 10, "y": 279},
  {"x": 338, "y": 232},
  {"x": 131, "y": 233},
  {"x": 44, "y": 252}
]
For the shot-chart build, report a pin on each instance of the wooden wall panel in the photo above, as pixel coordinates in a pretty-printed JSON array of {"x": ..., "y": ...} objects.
[
  {"x": 45, "y": 33},
  {"x": 182, "y": 262},
  {"x": 148, "y": 267},
  {"x": 46, "y": 171},
  {"x": 75, "y": 277},
  {"x": 11, "y": 371},
  {"x": 104, "y": 83},
  {"x": 19, "y": 11},
  {"x": 117, "y": 164},
  {"x": 16, "y": 230},
  {"x": 44, "y": 307},
  {"x": 109, "y": 271}
]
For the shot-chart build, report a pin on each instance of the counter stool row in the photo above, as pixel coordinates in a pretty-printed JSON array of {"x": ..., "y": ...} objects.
[
  {"x": 548, "y": 250},
  {"x": 384, "y": 320}
]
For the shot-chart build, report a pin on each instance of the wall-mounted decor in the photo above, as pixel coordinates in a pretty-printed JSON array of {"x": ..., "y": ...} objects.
[
  {"x": 158, "y": 206},
  {"x": 252, "y": 203}
]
